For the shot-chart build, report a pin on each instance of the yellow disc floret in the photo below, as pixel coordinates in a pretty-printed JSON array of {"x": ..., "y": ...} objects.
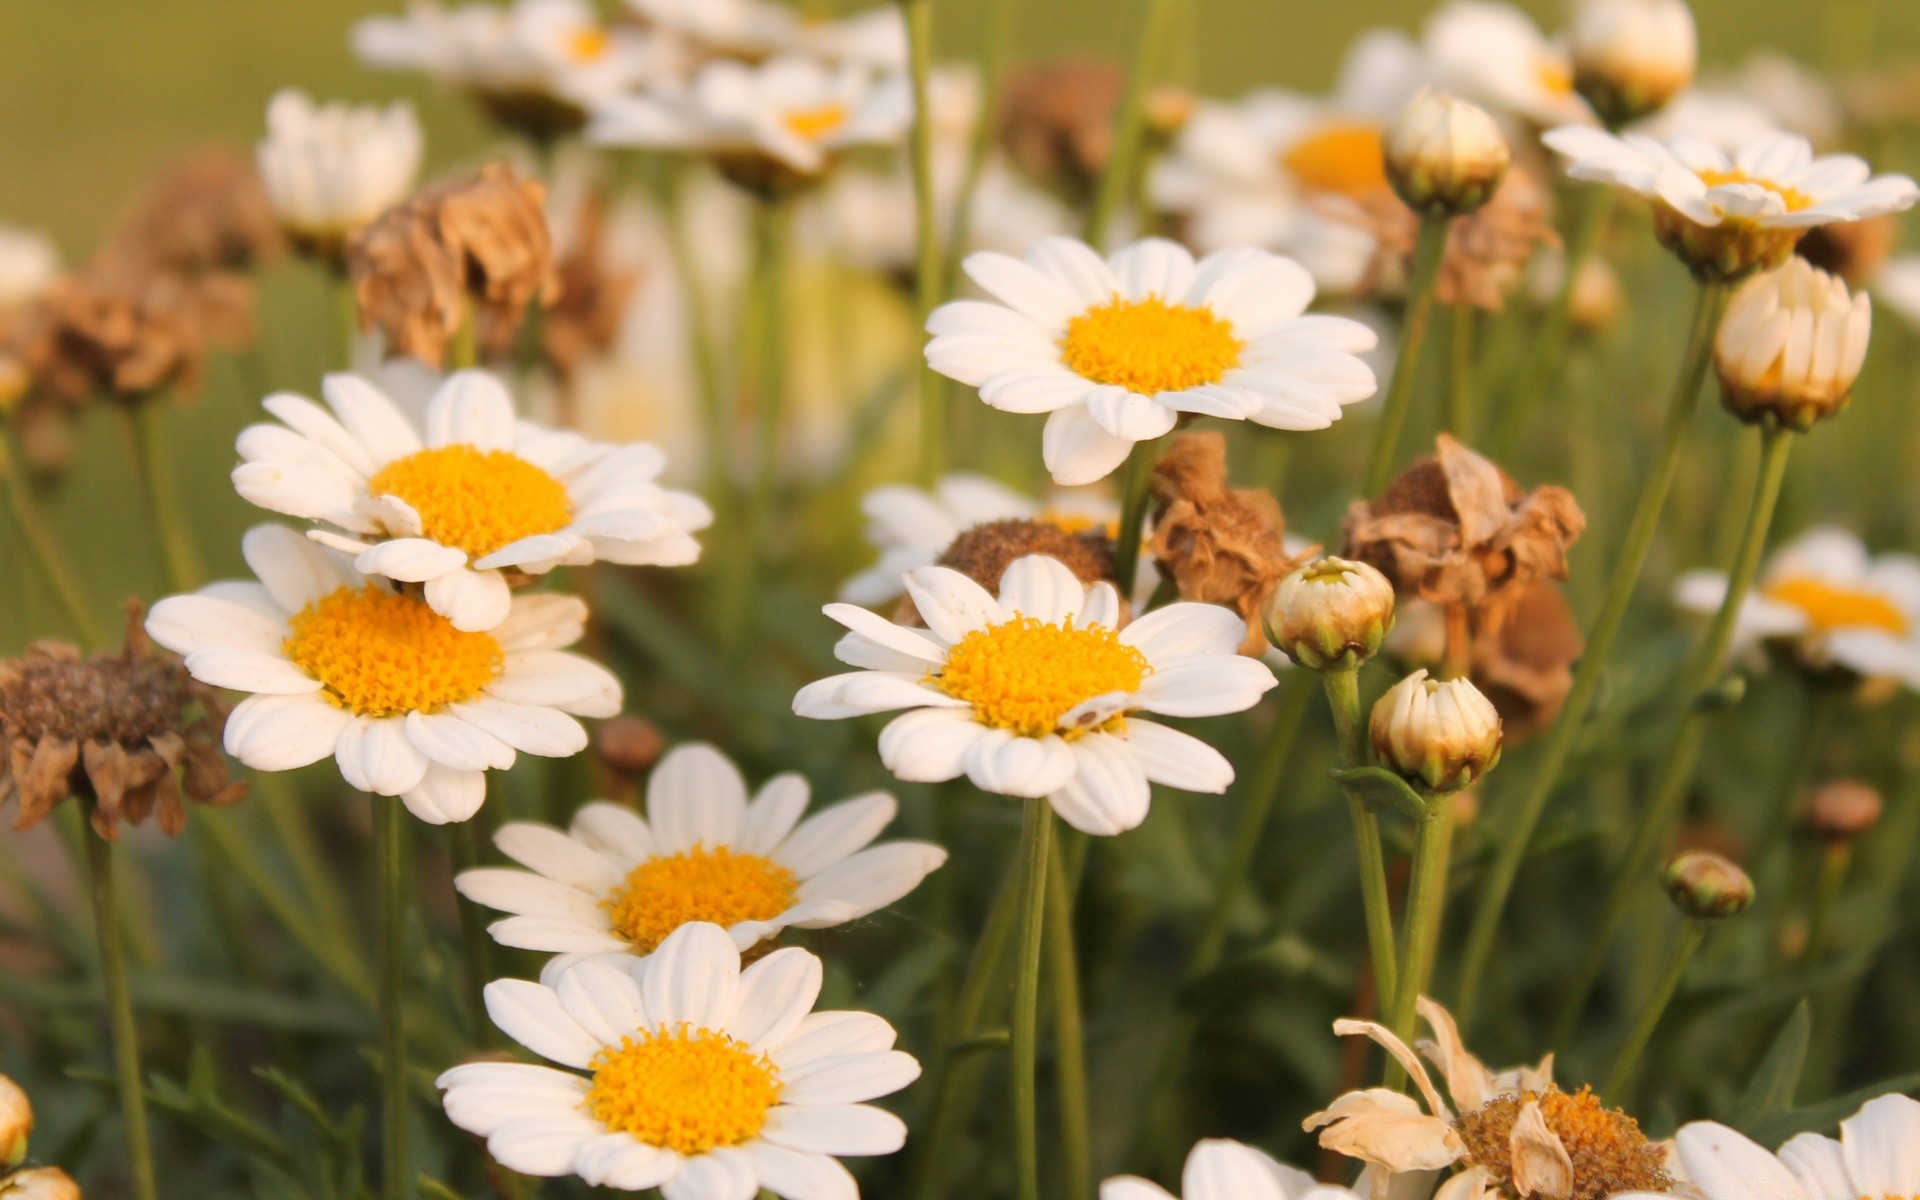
[
  {"x": 383, "y": 655},
  {"x": 1024, "y": 674},
  {"x": 1828, "y": 608},
  {"x": 1608, "y": 1151},
  {"x": 815, "y": 123},
  {"x": 589, "y": 45},
  {"x": 717, "y": 885},
  {"x": 475, "y": 500},
  {"x": 684, "y": 1089},
  {"x": 1346, "y": 158},
  {"x": 1793, "y": 198},
  {"x": 1150, "y": 346}
]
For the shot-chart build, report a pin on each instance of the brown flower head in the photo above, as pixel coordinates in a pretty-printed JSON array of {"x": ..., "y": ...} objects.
[
  {"x": 205, "y": 213},
  {"x": 1487, "y": 251},
  {"x": 1560, "y": 1145},
  {"x": 108, "y": 331},
  {"x": 1056, "y": 121},
  {"x": 1218, "y": 544},
  {"x": 482, "y": 241},
  {"x": 1853, "y": 250},
  {"x": 984, "y": 552},
  {"x": 129, "y": 730},
  {"x": 1526, "y": 666},
  {"x": 1843, "y": 809},
  {"x": 585, "y": 320}
]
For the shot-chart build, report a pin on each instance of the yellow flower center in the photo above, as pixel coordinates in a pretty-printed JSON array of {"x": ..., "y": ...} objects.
[
  {"x": 1828, "y": 608},
  {"x": 1149, "y": 346},
  {"x": 1794, "y": 198},
  {"x": 717, "y": 885},
  {"x": 1554, "y": 75},
  {"x": 588, "y": 45},
  {"x": 815, "y": 123},
  {"x": 1346, "y": 158},
  {"x": 1608, "y": 1150},
  {"x": 1077, "y": 523},
  {"x": 382, "y": 655},
  {"x": 473, "y": 500},
  {"x": 687, "y": 1089},
  {"x": 1024, "y": 674}
]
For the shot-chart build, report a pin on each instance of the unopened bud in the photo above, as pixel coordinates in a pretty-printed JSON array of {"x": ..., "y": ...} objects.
[
  {"x": 1706, "y": 886},
  {"x": 1843, "y": 810},
  {"x": 39, "y": 1183},
  {"x": 1791, "y": 345},
  {"x": 1444, "y": 155},
  {"x": 1330, "y": 615},
  {"x": 1632, "y": 56},
  {"x": 1442, "y": 734},
  {"x": 628, "y": 745},
  {"x": 16, "y": 1124}
]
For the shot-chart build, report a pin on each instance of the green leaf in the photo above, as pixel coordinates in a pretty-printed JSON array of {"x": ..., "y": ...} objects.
[
  {"x": 1821, "y": 1117},
  {"x": 1770, "y": 1092}
]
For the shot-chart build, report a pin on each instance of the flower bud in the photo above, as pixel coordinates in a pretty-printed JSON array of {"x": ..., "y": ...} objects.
[
  {"x": 1632, "y": 56},
  {"x": 628, "y": 745},
  {"x": 1843, "y": 810},
  {"x": 1445, "y": 156},
  {"x": 1440, "y": 734},
  {"x": 1791, "y": 345},
  {"x": 1706, "y": 886},
  {"x": 39, "y": 1183},
  {"x": 16, "y": 1124},
  {"x": 1330, "y": 615}
]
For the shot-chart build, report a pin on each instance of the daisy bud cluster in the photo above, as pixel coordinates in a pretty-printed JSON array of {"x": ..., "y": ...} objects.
[
  {"x": 1706, "y": 886},
  {"x": 1630, "y": 57},
  {"x": 1437, "y": 734},
  {"x": 1791, "y": 345},
  {"x": 1445, "y": 156},
  {"x": 1331, "y": 615}
]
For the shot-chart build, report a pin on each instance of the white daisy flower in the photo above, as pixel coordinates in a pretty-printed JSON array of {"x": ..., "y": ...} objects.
[
  {"x": 1838, "y": 604},
  {"x": 1218, "y": 1169},
  {"x": 407, "y": 704},
  {"x": 1032, "y": 694},
  {"x": 476, "y": 495},
  {"x": 1873, "y": 1157},
  {"x": 616, "y": 883},
  {"x": 749, "y": 29},
  {"x": 704, "y": 1080},
  {"x": 1116, "y": 349},
  {"x": 28, "y": 263},
  {"x": 1495, "y": 55},
  {"x": 796, "y": 111},
  {"x": 330, "y": 169}
]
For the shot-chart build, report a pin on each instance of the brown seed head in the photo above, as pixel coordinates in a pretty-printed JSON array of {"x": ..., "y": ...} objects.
[
  {"x": 107, "y": 331},
  {"x": 1853, "y": 250},
  {"x": 1056, "y": 121},
  {"x": 984, "y": 552},
  {"x": 205, "y": 213},
  {"x": 1608, "y": 1151},
  {"x": 1843, "y": 809},
  {"x": 628, "y": 745},
  {"x": 1526, "y": 666},
  {"x": 1487, "y": 251}
]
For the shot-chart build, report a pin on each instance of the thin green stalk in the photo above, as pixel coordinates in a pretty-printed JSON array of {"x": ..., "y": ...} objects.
[
  {"x": 1676, "y": 769},
  {"x": 1136, "y": 491},
  {"x": 463, "y": 351},
  {"x": 346, "y": 314},
  {"x": 147, "y": 425},
  {"x": 1835, "y": 858},
  {"x": 1426, "y": 892},
  {"x": 464, "y": 842},
  {"x": 44, "y": 549},
  {"x": 1525, "y": 817},
  {"x": 1539, "y": 373},
  {"x": 1428, "y": 251},
  {"x": 1628, "y": 1057},
  {"x": 1461, "y": 328},
  {"x": 929, "y": 267},
  {"x": 1343, "y": 696},
  {"x": 277, "y": 796},
  {"x": 999, "y": 24},
  {"x": 718, "y": 417},
  {"x": 1069, "y": 1034},
  {"x": 775, "y": 223},
  {"x": 126, "y": 1045},
  {"x": 1036, "y": 834},
  {"x": 389, "y": 843},
  {"x": 1155, "y": 24}
]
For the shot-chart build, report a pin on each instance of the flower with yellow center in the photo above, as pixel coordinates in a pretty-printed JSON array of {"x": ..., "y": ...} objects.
[
  {"x": 1218, "y": 1169},
  {"x": 1117, "y": 349},
  {"x": 1835, "y": 605},
  {"x": 619, "y": 883},
  {"x": 405, "y": 702},
  {"x": 1034, "y": 693},
  {"x": 1494, "y": 55},
  {"x": 1872, "y": 1158},
  {"x": 475, "y": 498},
  {"x": 688, "y": 1074}
]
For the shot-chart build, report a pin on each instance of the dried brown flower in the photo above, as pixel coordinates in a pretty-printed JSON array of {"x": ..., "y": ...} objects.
[
  {"x": 129, "y": 730},
  {"x": 585, "y": 320},
  {"x": 1218, "y": 544},
  {"x": 1056, "y": 121},
  {"x": 482, "y": 241},
  {"x": 628, "y": 745},
  {"x": 1487, "y": 251},
  {"x": 1853, "y": 250},
  {"x": 106, "y": 331},
  {"x": 1526, "y": 666},
  {"x": 984, "y": 552},
  {"x": 1601, "y": 1150},
  {"x": 206, "y": 212}
]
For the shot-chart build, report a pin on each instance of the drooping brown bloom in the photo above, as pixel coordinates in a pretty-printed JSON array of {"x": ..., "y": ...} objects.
[
  {"x": 107, "y": 331},
  {"x": 480, "y": 241},
  {"x": 1487, "y": 250},
  {"x": 128, "y": 730},
  {"x": 205, "y": 213},
  {"x": 1853, "y": 250},
  {"x": 585, "y": 320},
  {"x": 1218, "y": 544},
  {"x": 1056, "y": 121},
  {"x": 1526, "y": 668},
  {"x": 984, "y": 552}
]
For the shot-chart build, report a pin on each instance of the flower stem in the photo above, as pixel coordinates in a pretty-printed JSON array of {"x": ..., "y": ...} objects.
[
  {"x": 1036, "y": 834},
  {"x": 44, "y": 548},
  {"x": 147, "y": 429},
  {"x": 993, "y": 64},
  {"x": 1136, "y": 490},
  {"x": 1343, "y": 696},
  {"x": 1835, "y": 859},
  {"x": 1461, "y": 327},
  {"x": 126, "y": 1045},
  {"x": 1709, "y": 304},
  {"x": 1683, "y": 751},
  {"x": 929, "y": 266},
  {"x": 389, "y": 842},
  {"x": 1428, "y": 251},
  {"x": 464, "y": 842},
  {"x": 714, "y": 409},
  {"x": 1156, "y": 21},
  {"x": 1540, "y": 371},
  {"x": 346, "y": 311},
  {"x": 1426, "y": 894},
  {"x": 1628, "y": 1057},
  {"x": 1069, "y": 1034}
]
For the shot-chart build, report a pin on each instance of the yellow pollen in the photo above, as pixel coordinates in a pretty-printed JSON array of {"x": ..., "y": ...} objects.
[
  {"x": 686, "y": 1089},
  {"x": 1346, "y": 158},
  {"x": 587, "y": 45},
  {"x": 1828, "y": 608},
  {"x": 1555, "y": 76},
  {"x": 1025, "y": 675},
  {"x": 1149, "y": 346},
  {"x": 476, "y": 501},
  {"x": 1077, "y": 523},
  {"x": 717, "y": 885},
  {"x": 382, "y": 655},
  {"x": 815, "y": 123},
  {"x": 1794, "y": 198},
  {"x": 1609, "y": 1153}
]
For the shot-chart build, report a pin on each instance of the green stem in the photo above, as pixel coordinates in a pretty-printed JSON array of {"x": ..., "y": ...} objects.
[
  {"x": 1835, "y": 858},
  {"x": 277, "y": 796},
  {"x": 930, "y": 266},
  {"x": 463, "y": 352},
  {"x": 1426, "y": 893},
  {"x": 1540, "y": 371},
  {"x": 44, "y": 548},
  {"x": 1676, "y": 769},
  {"x": 1461, "y": 329},
  {"x": 464, "y": 842},
  {"x": 1428, "y": 252},
  {"x": 714, "y": 409},
  {"x": 147, "y": 426},
  {"x": 1069, "y": 1034},
  {"x": 1155, "y": 24},
  {"x": 126, "y": 1045},
  {"x": 993, "y": 64},
  {"x": 1136, "y": 491},
  {"x": 346, "y": 312},
  {"x": 389, "y": 838},
  {"x": 1525, "y": 818},
  {"x": 1629, "y": 1056},
  {"x": 1343, "y": 697},
  {"x": 1036, "y": 834}
]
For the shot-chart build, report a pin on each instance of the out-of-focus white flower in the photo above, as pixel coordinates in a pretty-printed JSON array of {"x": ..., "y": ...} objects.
[
  {"x": 1632, "y": 56},
  {"x": 1445, "y": 155},
  {"x": 1801, "y": 99},
  {"x": 28, "y": 263},
  {"x": 1898, "y": 285},
  {"x": 1494, "y": 54},
  {"x": 1872, "y": 1157},
  {"x": 1791, "y": 345},
  {"x": 874, "y": 38},
  {"x": 1717, "y": 115},
  {"x": 1218, "y": 1169},
  {"x": 757, "y": 29},
  {"x": 330, "y": 169}
]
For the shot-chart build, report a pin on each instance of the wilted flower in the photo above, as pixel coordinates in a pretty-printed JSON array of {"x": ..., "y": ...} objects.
[
  {"x": 206, "y": 213},
  {"x": 1331, "y": 614},
  {"x": 16, "y": 1123},
  {"x": 1526, "y": 666},
  {"x": 587, "y": 318},
  {"x": 1218, "y": 1169},
  {"x": 1632, "y": 56},
  {"x": 1442, "y": 734},
  {"x": 331, "y": 169},
  {"x": 1791, "y": 345},
  {"x": 1855, "y": 251},
  {"x": 1706, "y": 886},
  {"x": 1445, "y": 156},
  {"x": 1056, "y": 121},
  {"x": 129, "y": 731},
  {"x": 1487, "y": 250},
  {"x": 1843, "y": 809},
  {"x": 102, "y": 332}
]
